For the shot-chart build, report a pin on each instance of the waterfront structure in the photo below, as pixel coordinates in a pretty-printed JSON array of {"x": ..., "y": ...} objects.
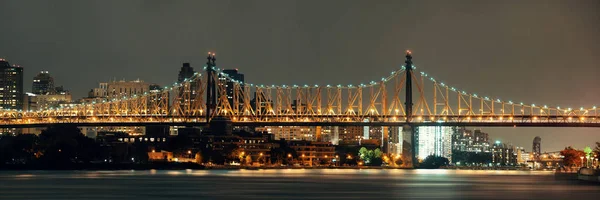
[
  {"x": 258, "y": 146},
  {"x": 313, "y": 153},
  {"x": 434, "y": 140},
  {"x": 185, "y": 72},
  {"x": 11, "y": 86},
  {"x": 470, "y": 141},
  {"x": 43, "y": 84}
]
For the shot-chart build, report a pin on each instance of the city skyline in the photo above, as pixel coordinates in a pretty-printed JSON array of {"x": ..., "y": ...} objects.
[{"x": 521, "y": 71}]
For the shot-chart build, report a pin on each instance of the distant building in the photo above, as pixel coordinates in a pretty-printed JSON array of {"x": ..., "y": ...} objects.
[
  {"x": 313, "y": 153},
  {"x": 434, "y": 140},
  {"x": 235, "y": 75},
  {"x": 30, "y": 102},
  {"x": 470, "y": 141},
  {"x": 155, "y": 88},
  {"x": 522, "y": 156},
  {"x": 290, "y": 132},
  {"x": 351, "y": 134},
  {"x": 504, "y": 154},
  {"x": 185, "y": 72},
  {"x": 537, "y": 147},
  {"x": 330, "y": 134},
  {"x": 394, "y": 141},
  {"x": 48, "y": 101},
  {"x": 43, "y": 83},
  {"x": 119, "y": 89},
  {"x": 11, "y": 86}
]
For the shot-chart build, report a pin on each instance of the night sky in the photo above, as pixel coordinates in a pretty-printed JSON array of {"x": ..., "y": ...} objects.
[{"x": 543, "y": 52}]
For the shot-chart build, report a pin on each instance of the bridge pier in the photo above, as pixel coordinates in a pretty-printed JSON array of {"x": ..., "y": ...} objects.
[{"x": 409, "y": 146}]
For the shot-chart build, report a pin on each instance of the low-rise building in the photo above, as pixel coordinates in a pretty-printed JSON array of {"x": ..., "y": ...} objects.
[{"x": 313, "y": 153}]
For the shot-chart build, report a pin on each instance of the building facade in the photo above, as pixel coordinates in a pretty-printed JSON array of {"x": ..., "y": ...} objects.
[
  {"x": 185, "y": 72},
  {"x": 290, "y": 132},
  {"x": 434, "y": 140},
  {"x": 43, "y": 83},
  {"x": 470, "y": 141},
  {"x": 47, "y": 101},
  {"x": 119, "y": 89},
  {"x": 537, "y": 147},
  {"x": 504, "y": 154},
  {"x": 235, "y": 75},
  {"x": 11, "y": 86}
]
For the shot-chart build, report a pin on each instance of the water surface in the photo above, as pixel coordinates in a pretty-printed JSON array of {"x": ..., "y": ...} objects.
[{"x": 291, "y": 184}]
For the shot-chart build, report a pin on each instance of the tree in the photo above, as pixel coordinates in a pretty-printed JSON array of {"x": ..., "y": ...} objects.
[
  {"x": 572, "y": 157},
  {"x": 434, "y": 162},
  {"x": 371, "y": 157},
  {"x": 280, "y": 154},
  {"x": 63, "y": 145}
]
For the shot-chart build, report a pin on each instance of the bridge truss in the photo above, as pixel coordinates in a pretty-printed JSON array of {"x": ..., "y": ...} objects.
[{"x": 213, "y": 93}]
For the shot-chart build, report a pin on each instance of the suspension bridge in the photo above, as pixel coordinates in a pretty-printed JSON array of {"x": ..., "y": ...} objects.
[{"x": 405, "y": 97}]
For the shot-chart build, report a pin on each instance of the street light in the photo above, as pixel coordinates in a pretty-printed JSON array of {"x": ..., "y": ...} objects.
[
  {"x": 289, "y": 155},
  {"x": 581, "y": 161}
]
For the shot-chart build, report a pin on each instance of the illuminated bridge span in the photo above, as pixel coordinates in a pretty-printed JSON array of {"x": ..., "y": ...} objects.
[{"x": 387, "y": 102}]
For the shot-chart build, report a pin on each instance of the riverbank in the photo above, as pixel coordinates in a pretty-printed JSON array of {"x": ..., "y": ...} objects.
[
  {"x": 183, "y": 166},
  {"x": 588, "y": 174}
]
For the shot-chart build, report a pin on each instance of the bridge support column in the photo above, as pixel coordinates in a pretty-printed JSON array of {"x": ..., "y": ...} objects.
[
  {"x": 409, "y": 146},
  {"x": 385, "y": 139},
  {"x": 210, "y": 86},
  {"x": 408, "y": 111}
]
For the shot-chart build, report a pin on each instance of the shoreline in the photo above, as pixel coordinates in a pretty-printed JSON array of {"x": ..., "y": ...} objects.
[{"x": 194, "y": 166}]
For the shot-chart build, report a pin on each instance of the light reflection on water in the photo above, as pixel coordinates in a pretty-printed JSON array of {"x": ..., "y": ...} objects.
[{"x": 291, "y": 184}]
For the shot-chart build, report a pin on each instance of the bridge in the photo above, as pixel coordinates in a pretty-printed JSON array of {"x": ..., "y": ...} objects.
[{"x": 404, "y": 97}]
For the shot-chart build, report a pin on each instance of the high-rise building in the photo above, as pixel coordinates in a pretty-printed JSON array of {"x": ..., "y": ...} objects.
[
  {"x": 43, "y": 83},
  {"x": 350, "y": 134},
  {"x": 395, "y": 140},
  {"x": 470, "y": 141},
  {"x": 504, "y": 155},
  {"x": 235, "y": 75},
  {"x": 11, "y": 86},
  {"x": 185, "y": 72},
  {"x": 537, "y": 147},
  {"x": 434, "y": 140}
]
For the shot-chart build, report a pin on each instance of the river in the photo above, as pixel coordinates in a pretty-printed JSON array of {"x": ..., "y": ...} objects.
[{"x": 291, "y": 184}]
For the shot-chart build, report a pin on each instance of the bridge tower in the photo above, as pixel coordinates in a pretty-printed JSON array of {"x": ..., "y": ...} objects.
[
  {"x": 210, "y": 86},
  {"x": 408, "y": 101},
  {"x": 408, "y": 111}
]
